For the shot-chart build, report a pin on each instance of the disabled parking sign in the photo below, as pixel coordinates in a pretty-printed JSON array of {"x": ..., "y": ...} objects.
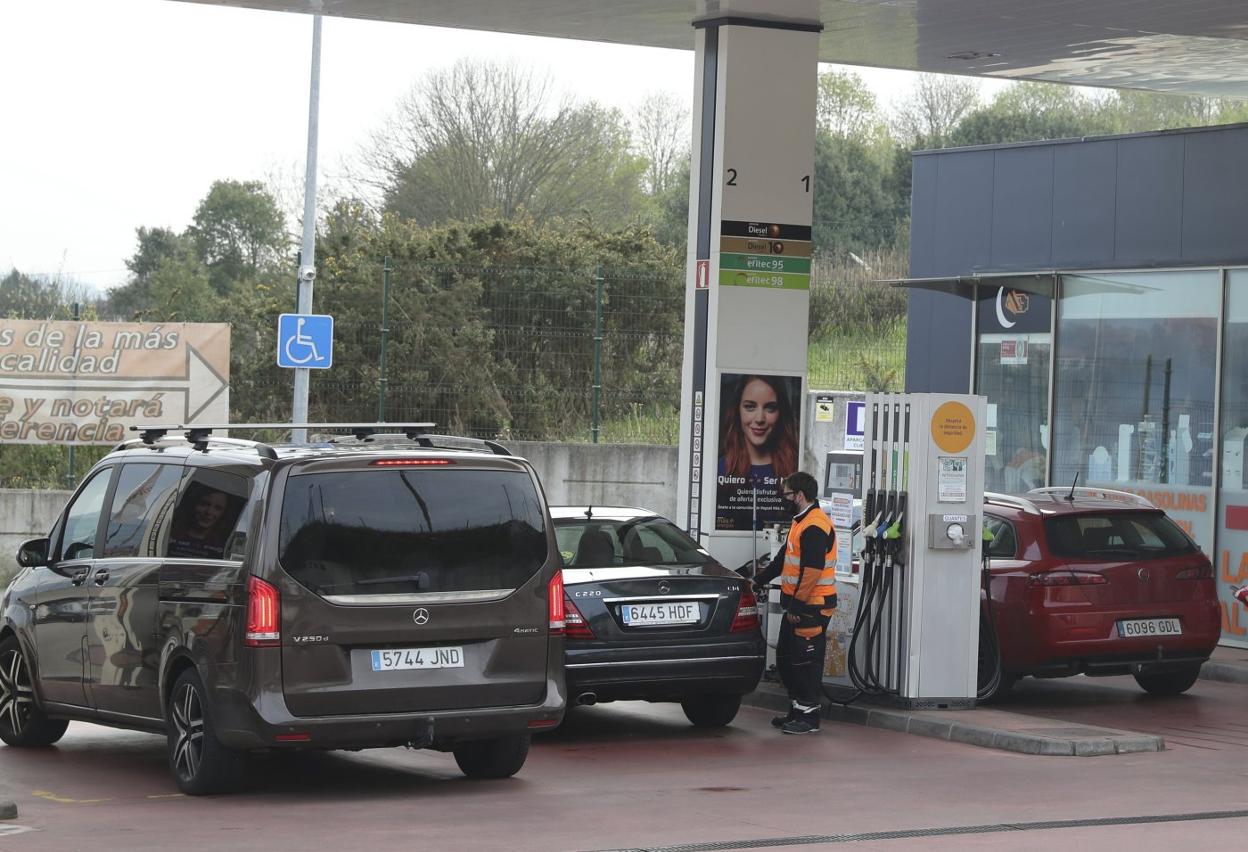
[{"x": 305, "y": 340}]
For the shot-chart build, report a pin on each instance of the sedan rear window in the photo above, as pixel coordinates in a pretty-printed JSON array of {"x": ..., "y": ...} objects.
[
  {"x": 411, "y": 531},
  {"x": 601, "y": 542},
  {"x": 1115, "y": 535}
]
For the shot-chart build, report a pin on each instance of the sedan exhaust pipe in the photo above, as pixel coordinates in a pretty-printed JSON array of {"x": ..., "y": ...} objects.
[{"x": 585, "y": 699}]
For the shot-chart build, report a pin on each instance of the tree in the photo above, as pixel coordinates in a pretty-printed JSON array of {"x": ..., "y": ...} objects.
[
  {"x": 854, "y": 209},
  {"x": 26, "y": 297},
  {"x": 238, "y": 231},
  {"x": 936, "y": 104},
  {"x": 846, "y": 106},
  {"x": 1024, "y": 112},
  {"x": 660, "y": 136},
  {"x": 483, "y": 139}
]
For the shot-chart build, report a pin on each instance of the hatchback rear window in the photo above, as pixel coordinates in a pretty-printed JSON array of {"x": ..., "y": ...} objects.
[
  {"x": 411, "y": 531},
  {"x": 1116, "y": 535}
]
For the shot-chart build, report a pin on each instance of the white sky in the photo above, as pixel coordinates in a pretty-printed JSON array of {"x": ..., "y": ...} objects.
[{"x": 121, "y": 113}]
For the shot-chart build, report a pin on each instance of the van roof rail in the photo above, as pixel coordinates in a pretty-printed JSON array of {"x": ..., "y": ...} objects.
[
  {"x": 1117, "y": 496},
  {"x": 198, "y": 434},
  {"x": 198, "y": 437},
  {"x": 451, "y": 442},
  {"x": 1011, "y": 500}
]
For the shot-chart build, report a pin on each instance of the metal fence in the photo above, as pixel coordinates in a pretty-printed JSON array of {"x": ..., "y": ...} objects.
[{"x": 508, "y": 352}]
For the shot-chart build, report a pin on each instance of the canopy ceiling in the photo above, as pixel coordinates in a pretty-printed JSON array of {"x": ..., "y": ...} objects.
[{"x": 1187, "y": 46}]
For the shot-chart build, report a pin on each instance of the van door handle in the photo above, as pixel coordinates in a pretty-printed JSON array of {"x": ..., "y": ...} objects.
[
  {"x": 78, "y": 577},
  {"x": 101, "y": 577}
]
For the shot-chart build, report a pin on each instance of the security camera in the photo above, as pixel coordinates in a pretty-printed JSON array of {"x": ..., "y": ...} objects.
[{"x": 307, "y": 273}]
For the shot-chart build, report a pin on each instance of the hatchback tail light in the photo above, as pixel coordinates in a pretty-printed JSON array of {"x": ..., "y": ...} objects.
[
  {"x": 1201, "y": 572},
  {"x": 747, "y": 613},
  {"x": 1067, "y": 578},
  {"x": 264, "y": 614},
  {"x": 575, "y": 625},
  {"x": 554, "y": 604}
]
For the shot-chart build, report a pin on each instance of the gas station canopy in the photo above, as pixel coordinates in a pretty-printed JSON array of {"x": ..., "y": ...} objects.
[{"x": 1190, "y": 47}]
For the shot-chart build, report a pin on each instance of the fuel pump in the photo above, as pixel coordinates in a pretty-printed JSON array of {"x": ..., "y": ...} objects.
[{"x": 916, "y": 631}]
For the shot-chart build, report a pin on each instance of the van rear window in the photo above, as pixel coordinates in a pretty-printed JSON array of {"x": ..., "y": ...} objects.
[
  {"x": 1116, "y": 535},
  {"x": 411, "y": 531}
]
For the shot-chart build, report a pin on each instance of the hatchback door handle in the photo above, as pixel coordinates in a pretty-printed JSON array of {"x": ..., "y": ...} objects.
[
  {"x": 101, "y": 577},
  {"x": 78, "y": 577}
]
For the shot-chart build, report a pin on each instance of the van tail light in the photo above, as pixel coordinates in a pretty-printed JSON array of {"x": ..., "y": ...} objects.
[
  {"x": 747, "y": 613},
  {"x": 554, "y": 604},
  {"x": 1052, "y": 579},
  {"x": 575, "y": 625},
  {"x": 1201, "y": 572},
  {"x": 264, "y": 614}
]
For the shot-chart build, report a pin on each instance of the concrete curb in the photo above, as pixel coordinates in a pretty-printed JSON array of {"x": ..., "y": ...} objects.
[
  {"x": 1036, "y": 736},
  {"x": 1224, "y": 672}
]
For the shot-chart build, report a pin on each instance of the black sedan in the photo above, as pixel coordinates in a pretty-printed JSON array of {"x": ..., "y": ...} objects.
[{"x": 652, "y": 616}]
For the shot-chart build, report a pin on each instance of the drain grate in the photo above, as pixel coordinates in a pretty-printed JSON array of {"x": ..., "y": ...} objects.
[{"x": 901, "y": 834}]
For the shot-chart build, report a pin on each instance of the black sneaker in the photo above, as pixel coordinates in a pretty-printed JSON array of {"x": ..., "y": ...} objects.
[
  {"x": 781, "y": 721},
  {"x": 799, "y": 726}
]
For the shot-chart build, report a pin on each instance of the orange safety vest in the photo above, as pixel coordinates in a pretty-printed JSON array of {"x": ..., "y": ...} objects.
[{"x": 817, "y": 585}]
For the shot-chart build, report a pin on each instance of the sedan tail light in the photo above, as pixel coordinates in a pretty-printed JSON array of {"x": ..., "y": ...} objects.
[
  {"x": 554, "y": 604},
  {"x": 747, "y": 613},
  {"x": 575, "y": 625},
  {"x": 1201, "y": 572},
  {"x": 264, "y": 614},
  {"x": 1067, "y": 578}
]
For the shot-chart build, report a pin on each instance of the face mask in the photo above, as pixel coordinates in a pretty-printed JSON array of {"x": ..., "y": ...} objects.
[{"x": 789, "y": 506}]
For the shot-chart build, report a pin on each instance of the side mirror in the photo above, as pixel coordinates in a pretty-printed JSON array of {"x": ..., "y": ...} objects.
[{"x": 33, "y": 553}]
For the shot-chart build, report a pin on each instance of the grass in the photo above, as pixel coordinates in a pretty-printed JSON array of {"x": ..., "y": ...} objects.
[{"x": 859, "y": 362}]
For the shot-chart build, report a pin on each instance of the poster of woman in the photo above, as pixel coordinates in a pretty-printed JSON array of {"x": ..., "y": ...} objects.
[{"x": 758, "y": 445}]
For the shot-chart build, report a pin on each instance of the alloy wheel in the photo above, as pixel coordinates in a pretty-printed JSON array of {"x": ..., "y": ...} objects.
[
  {"x": 17, "y": 697},
  {"x": 188, "y": 726}
]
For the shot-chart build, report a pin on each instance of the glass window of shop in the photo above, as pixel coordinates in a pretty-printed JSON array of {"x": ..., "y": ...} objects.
[
  {"x": 1015, "y": 342},
  {"x": 1231, "y": 564},
  {"x": 1134, "y": 388}
]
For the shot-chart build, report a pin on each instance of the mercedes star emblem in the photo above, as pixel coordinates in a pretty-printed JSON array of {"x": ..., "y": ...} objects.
[
  {"x": 420, "y": 616},
  {"x": 664, "y": 588}
]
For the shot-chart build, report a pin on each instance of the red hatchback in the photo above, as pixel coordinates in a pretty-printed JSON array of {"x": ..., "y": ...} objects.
[{"x": 1097, "y": 582}]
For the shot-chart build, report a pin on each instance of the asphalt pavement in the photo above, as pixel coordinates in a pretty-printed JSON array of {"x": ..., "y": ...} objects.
[{"x": 638, "y": 776}]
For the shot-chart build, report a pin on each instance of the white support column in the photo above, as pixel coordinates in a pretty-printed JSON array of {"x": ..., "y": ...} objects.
[{"x": 747, "y": 298}]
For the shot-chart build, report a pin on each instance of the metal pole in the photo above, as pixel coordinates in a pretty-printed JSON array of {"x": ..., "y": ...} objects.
[
  {"x": 69, "y": 476},
  {"x": 597, "y": 351},
  {"x": 385, "y": 334},
  {"x": 307, "y": 262}
]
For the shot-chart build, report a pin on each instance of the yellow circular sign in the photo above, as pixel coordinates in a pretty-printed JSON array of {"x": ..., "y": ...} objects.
[{"x": 953, "y": 427}]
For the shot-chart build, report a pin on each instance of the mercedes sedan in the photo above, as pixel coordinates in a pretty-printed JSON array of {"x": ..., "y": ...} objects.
[{"x": 650, "y": 615}]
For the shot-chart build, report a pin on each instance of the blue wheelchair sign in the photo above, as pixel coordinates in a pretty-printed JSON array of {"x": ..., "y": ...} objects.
[{"x": 305, "y": 340}]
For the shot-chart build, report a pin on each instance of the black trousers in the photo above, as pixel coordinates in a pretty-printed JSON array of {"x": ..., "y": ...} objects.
[{"x": 800, "y": 664}]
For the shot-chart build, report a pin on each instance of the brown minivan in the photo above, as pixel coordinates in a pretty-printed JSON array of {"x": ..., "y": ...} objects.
[{"x": 367, "y": 591}]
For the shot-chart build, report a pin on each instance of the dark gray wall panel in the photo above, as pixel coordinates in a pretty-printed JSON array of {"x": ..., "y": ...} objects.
[
  {"x": 1149, "y": 201},
  {"x": 1084, "y": 178},
  {"x": 938, "y": 335},
  {"x": 923, "y": 217},
  {"x": 963, "y": 226},
  {"x": 1215, "y": 197},
  {"x": 1022, "y": 208}
]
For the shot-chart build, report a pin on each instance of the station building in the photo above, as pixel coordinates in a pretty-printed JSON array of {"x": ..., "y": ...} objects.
[{"x": 1096, "y": 292}]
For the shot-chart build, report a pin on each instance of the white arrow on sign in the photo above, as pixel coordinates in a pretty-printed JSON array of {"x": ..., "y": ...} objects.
[{"x": 201, "y": 387}]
